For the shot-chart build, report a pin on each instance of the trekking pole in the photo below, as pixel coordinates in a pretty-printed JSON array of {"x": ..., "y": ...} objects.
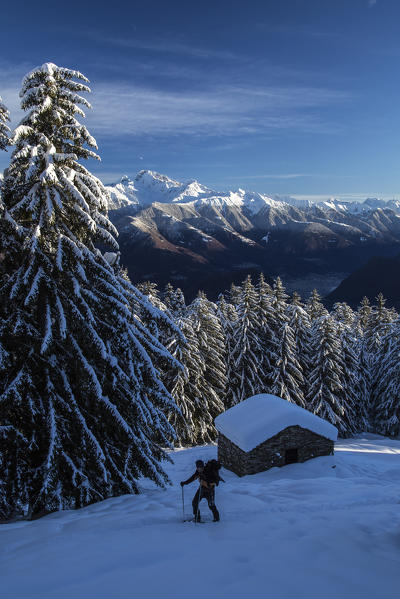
[
  {"x": 198, "y": 506},
  {"x": 183, "y": 505}
]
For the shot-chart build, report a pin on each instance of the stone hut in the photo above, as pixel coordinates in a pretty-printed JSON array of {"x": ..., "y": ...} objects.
[{"x": 266, "y": 431}]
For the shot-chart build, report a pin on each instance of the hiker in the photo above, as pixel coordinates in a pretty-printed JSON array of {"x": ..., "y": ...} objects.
[{"x": 208, "y": 477}]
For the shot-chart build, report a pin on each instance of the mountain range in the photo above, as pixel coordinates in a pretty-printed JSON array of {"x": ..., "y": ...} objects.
[{"x": 199, "y": 238}]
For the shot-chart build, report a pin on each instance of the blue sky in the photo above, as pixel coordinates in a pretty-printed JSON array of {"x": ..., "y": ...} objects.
[{"x": 295, "y": 97}]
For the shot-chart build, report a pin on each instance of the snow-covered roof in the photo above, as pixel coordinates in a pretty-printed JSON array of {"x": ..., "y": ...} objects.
[{"x": 260, "y": 417}]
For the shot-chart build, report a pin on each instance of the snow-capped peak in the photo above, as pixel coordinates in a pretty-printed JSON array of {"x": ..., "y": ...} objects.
[
  {"x": 149, "y": 186},
  {"x": 148, "y": 178},
  {"x": 154, "y": 187},
  {"x": 123, "y": 193},
  {"x": 374, "y": 203}
]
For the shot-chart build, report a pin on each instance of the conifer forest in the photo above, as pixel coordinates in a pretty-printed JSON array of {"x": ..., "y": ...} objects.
[{"x": 99, "y": 376}]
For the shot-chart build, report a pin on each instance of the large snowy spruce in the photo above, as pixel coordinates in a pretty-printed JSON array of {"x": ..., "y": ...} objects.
[
  {"x": 199, "y": 388},
  {"x": 4, "y": 128},
  {"x": 327, "y": 393},
  {"x": 245, "y": 374},
  {"x": 10, "y": 232},
  {"x": 212, "y": 349},
  {"x": 188, "y": 387},
  {"x": 386, "y": 409},
  {"x": 82, "y": 407}
]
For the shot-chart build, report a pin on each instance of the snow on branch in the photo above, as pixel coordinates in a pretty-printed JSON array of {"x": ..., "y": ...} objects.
[
  {"x": 62, "y": 320},
  {"x": 93, "y": 440},
  {"x": 48, "y": 330},
  {"x": 34, "y": 290},
  {"x": 88, "y": 368}
]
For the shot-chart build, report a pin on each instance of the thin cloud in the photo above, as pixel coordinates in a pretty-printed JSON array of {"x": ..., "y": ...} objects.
[
  {"x": 299, "y": 31},
  {"x": 229, "y": 110},
  {"x": 224, "y": 110},
  {"x": 289, "y": 176},
  {"x": 276, "y": 176},
  {"x": 170, "y": 47}
]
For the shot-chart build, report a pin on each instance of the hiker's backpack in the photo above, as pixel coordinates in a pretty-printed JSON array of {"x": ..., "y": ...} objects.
[{"x": 211, "y": 471}]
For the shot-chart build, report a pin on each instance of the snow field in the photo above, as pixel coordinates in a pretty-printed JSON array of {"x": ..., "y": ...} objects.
[{"x": 328, "y": 528}]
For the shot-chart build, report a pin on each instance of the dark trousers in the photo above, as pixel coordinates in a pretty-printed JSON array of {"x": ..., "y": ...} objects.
[{"x": 208, "y": 494}]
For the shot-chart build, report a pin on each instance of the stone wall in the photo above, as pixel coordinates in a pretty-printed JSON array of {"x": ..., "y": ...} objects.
[{"x": 272, "y": 452}]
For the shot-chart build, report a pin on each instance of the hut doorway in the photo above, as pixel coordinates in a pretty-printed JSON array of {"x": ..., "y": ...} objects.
[{"x": 291, "y": 456}]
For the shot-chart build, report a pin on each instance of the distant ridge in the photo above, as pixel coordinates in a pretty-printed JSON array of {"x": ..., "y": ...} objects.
[
  {"x": 380, "y": 275},
  {"x": 149, "y": 186},
  {"x": 198, "y": 238}
]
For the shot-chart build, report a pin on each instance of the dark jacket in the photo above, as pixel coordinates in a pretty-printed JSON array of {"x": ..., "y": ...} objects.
[
  {"x": 208, "y": 478},
  {"x": 192, "y": 478},
  {"x": 204, "y": 481}
]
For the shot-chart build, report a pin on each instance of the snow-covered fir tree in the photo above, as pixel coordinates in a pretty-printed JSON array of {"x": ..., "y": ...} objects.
[
  {"x": 9, "y": 230},
  {"x": 263, "y": 288},
  {"x": 343, "y": 314},
  {"x": 365, "y": 358},
  {"x": 178, "y": 303},
  {"x": 10, "y": 245},
  {"x": 245, "y": 378},
  {"x": 295, "y": 300},
  {"x": 166, "y": 329},
  {"x": 82, "y": 406},
  {"x": 386, "y": 407},
  {"x": 279, "y": 304},
  {"x": 326, "y": 395},
  {"x": 4, "y": 128},
  {"x": 377, "y": 324},
  {"x": 150, "y": 289},
  {"x": 168, "y": 296},
  {"x": 173, "y": 303},
  {"x": 380, "y": 339},
  {"x": 11, "y": 240},
  {"x": 287, "y": 375},
  {"x": 227, "y": 316},
  {"x": 160, "y": 327},
  {"x": 212, "y": 348},
  {"x": 314, "y": 306},
  {"x": 356, "y": 407},
  {"x": 266, "y": 331},
  {"x": 278, "y": 307},
  {"x": 234, "y": 294},
  {"x": 299, "y": 322},
  {"x": 376, "y": 327},
  {"x": 193, "y": 425},
  {"x": 363, "y": 314}
]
